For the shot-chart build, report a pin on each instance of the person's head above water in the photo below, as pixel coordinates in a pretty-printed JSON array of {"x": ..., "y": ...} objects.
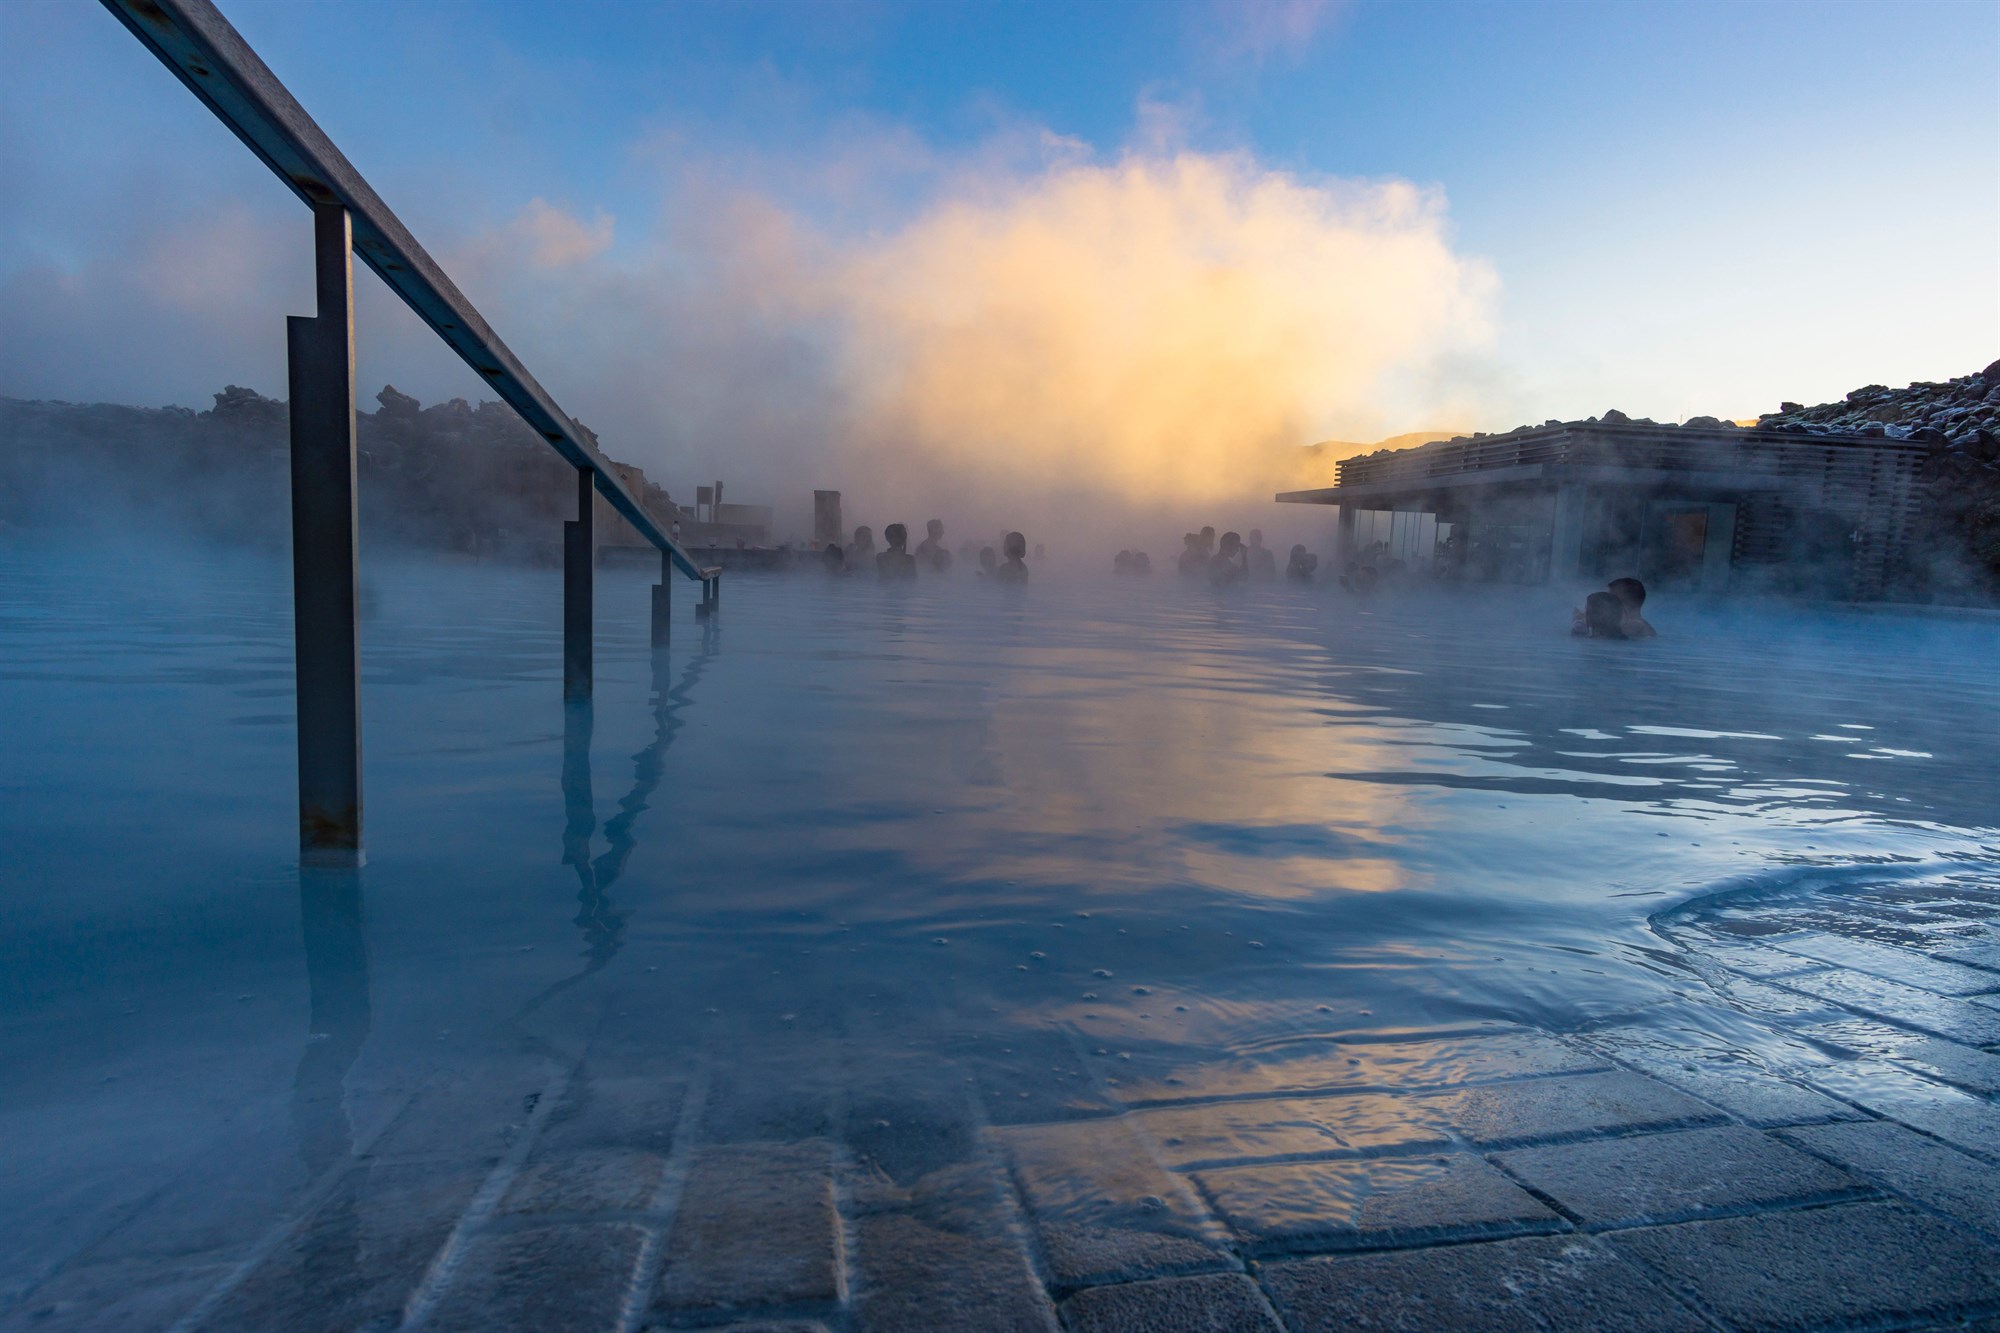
[
  {"x": 1604, "y": 616},
  {"x": 1016, "y": 546},
  {"x": 896, "y": 535},
  {"x": 1192, "y": 540},
  {"x": 864, "y": 536},
  {"x": 936, "y": 529},
  {"x": 1231, "y": 543},
  {"x": 988, "y": 558},
  {"x": 1256, "y": 536},
  {"x": 1207, "y": 536},
  {"x": 1630, "y": 592}
]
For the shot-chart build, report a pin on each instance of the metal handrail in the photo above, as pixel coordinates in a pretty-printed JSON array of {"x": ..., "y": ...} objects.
[{"x": 202, "y": 48}]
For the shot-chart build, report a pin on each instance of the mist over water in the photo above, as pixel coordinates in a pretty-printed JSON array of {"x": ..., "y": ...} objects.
[{"x": 854, "y": 822}]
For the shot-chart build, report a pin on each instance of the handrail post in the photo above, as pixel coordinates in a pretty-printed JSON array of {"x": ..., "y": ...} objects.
[
  {"x": 663, "y": 602},
  {"x": 325, "y": 550},
  {"x": 579, "y": 557}
]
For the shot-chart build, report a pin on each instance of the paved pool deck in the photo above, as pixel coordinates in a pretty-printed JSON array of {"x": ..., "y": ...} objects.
[{"x": 1835, "y": 1168}]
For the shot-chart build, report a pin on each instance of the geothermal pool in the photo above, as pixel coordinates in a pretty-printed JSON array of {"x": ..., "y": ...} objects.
[{"x": 894, "y": 868}]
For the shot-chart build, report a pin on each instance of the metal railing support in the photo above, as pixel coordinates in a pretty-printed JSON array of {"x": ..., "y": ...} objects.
[
  {"x": 663, "y": 603},
  {"x": 579, "y": 560},
  {"x": 325, "y": 550}
]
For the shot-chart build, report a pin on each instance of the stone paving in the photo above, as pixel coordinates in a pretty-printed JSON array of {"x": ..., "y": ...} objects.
[{"x": 1835, "y": 1169}]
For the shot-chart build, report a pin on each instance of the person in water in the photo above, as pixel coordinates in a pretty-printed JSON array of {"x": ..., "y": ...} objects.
[
  {"x": 1015, "y": 568},
  {"x": 895, "y": 562},
  {"x": 1631, "y": 595},
  {"x": 1602, "y": 617},
  {"x": 830, "y": 555},
  {"x": 862, "y": 549},
  {"x": 932, "y": 553},
  {"x": 989, "y": 562},
  {"x": 1230, "y": 564},
  {"x": 1302, "y": 564},
  {"x": 1263, "y": 561},
  {"x": 1193, "y": 560}
]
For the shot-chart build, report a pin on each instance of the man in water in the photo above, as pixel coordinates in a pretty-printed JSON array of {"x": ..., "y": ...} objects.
[
  {"x": 931, "y": 551},
  {"x": 989, "y": 563},
  {"x": 862, "y": 550},
  {"x": 1015, "y": 569},
  {"x": 1631, "y": 595},
  {"x": 896, "y": 563},
  {"x": 1302, "y": 564},
  {"x": 1193, "y": 560},
  {"x": 1207, "y": 543},
  {"x": 1229, "y": 564},
  {"x": 1263, "y": 561},
  {"x": 830, "y": 556}
]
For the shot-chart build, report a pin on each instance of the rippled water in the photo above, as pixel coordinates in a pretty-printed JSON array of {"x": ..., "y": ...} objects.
[{"x": 1142, "y": 823}]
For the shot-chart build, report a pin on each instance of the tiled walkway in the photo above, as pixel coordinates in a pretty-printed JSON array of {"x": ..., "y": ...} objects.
[{"x": 1837, "y": 1170}]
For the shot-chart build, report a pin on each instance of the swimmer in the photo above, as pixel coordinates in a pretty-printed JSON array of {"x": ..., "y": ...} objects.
[
  {"x": 1302, "y": 564},
  {"x": 989, "y": 562},
  {"x": 896, "y": 563},
  {"x": 1121, "y": 563},
  {"x": 1193, "y": 559},
  {"x": 931, "y": 551},
  {"x": 830, "y": 556},
  {"x": 1229, "y": 564},
  {"x": 1602, "y": 617},
  {"x": 1631, "y": 595},
  {"x": 1015, "y": 570},
  {"x": 1263, "y": 561},
  {"x": 862, "y": 549}
]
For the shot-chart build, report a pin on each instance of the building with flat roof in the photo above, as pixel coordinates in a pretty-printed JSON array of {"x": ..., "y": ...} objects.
[{"x": 1706, "y": 506}]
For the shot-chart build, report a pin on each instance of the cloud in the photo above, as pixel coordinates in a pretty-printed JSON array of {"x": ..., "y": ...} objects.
[
  {"x": 556, "y": 239},
  {"x": 1161, "y": 329}
]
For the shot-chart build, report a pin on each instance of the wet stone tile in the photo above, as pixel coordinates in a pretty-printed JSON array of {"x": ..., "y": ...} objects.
[
  {"x": 361, "y": 1253},
  {"x": 1031, "y": 1077},
  {"x": 130, "y": 1293},
  {"x": 1958, "y": 1019},
  {"x": 1963, "y": 1066},
  {"x": 1558, "y": 1108},
  {"x": 1217, "y": 1303},
  {"x": 920, "y": 1273},
  {"x": 1895, "y": 964},
  {"x": 1857, "y": 1264},
  {"x": 1653, "y": 1178},
  {"x": 590, "y": 1181},
  {"x": 615, "y": 1112},
  {"x": 1103, "y": 1209},
  {"x": 466, "y": 1117},
  {"x": 1372, "y": 1203},
  {"x": 755, "y": 1229},
  {"x": 1173, "y": 1074},
  {"x": 1918, "y": 1168},
  {"x": 1507, "y": 1286},
  {"x": 1968, "y": 1122},
  {"x": 1269, "y": 1130},
  {"x": 1744, "y": 1091},
  {"x": 548, "y": 1278}
]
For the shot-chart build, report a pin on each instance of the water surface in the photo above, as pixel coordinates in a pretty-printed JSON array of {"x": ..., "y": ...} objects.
[{"x": 1050, "y": 846}]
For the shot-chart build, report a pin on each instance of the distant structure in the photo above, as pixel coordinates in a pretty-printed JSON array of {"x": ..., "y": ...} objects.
[
  {"x": 827, "y": 527},
  {"x": 1704, "y": 505}
]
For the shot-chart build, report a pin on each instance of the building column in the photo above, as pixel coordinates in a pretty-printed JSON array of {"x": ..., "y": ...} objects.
[
  {"x": 1566, "y": 532},
  {"x": 1343, "y": 546},
  {"x": 326, "y": 550}
]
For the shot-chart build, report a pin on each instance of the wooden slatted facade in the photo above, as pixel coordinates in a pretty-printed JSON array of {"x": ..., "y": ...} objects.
[{"x": 1772, "y": 507}]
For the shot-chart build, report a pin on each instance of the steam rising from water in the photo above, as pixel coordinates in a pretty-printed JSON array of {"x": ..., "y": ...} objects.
[{"x": 1162, "y": 330}]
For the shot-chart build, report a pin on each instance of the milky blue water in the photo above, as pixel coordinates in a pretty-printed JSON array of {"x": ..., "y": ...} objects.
[{"x": 850, "y": 821}]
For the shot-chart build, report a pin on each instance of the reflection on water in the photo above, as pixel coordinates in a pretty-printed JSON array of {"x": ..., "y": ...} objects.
[{"x": 1059, "y": 848}]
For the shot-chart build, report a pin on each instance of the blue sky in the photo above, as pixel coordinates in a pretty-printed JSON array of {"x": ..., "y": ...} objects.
[{"x": 1682, "y": 208}]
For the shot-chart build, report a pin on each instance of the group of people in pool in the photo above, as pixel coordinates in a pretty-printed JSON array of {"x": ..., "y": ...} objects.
[
  {"x": 897, "y": 561},
  {"x": 1226, "y": 560},
  {"x": 1613, "y": 613}
]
